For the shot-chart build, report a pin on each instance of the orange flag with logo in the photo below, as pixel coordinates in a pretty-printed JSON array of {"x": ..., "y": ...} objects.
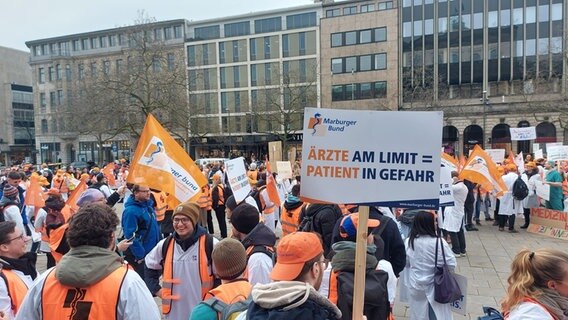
[
  {"x": 271, "y": 187},
  {"x": 449, "y": 161},
  {"x": 34, "y": 194},
  {"x": 164, "y": 165},
  {"x": 482, "y": 170},
  {"x": 71, "y": 204},
  {"x": 108, "y": 171}
]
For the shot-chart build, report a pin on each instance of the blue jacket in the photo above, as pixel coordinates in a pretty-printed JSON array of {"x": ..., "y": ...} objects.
[{"x": 139, "y": 217}]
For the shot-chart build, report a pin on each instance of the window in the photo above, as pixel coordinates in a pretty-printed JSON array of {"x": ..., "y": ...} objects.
[
  {"x": 556, "y": 10},
  {"x": 365, "y": 63},
  {"x": 337, "y": 65},
  {"x": 206, "y": 33},
  {"x": 85, "y": 44},
  {"x": 365, "y": 91},
  {"x": 385, "y": 5},
  {"x": 158, "y": 34},
  {"x": 171, "y": 61},
  {"x": 93, "y": 69},
  {"x": 60, "y": 98},
  {"x": 359, "y": 91},
  {"x": 253, "y": 75},
  {"x": 252, "y": 49},
  {"x": 267, "y": 74},
  {"x": 336, "y": 39},
  {"x": 80, "y": 71},
  {"x": 349, "y": 11},
  {"x": 380, "y": 89},
  {"x": 45, "y": 49},
  {"x": 178, "y": 32},
  {"x": 268, "y": 25},
  {"x": 67, "y": 72},
  {"x": 380, "y": 61},
  {"x": 302, "y": 41},
  {"x": 58, "y": 72},
  {"x": 350, "y": 38},
  {"x": 119, "y": 66},
  {"x": 106, "y": 67},
  {"x": 285, "y": 48},
  {"x": 302, "y": 20},
  {"x": 156, "y": 64},
  {"x": 51, "y": 74},
  {"x": 235, "y": 51},
  {"x": 237, "y": 29},
  {"x": 112, "y": 41},
  {"x": 94, "y": 43},
  {"x": 236, "y": 76},
  {"x": 41, "y": 75},
  {"x": 333, "y": 13},
  {"x": 350, "y": 64},
  {"x": 43, "y": 126},
  {"x": 42, "y": 101},
  {"x": 367, "y": 8},
  {"x": 76, "y": 45},
  {"x": 380, "y": 34},
  {"x": 52, "y": 99},
  {"x": 103, "y": 40},
  {"x": 168, "y": 33},
  {"x": 191, "y": 56},
  {"x": 53, "y": 48},
  {"x": 365, "y": 36},
  {"x": 337, "y": 93}
]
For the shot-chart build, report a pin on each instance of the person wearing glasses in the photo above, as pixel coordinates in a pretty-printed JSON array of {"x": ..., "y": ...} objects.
[
  {"x": 184, "y": 262},
  {"x": 297, "y": 278},
  {"x": 17, "y": 268},
  {"x": 139, "y": 224},
  {"x": 538, "y": 286}
]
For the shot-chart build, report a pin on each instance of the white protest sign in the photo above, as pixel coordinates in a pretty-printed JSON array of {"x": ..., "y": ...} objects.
[
  {"x": 538, "y": 154},
  {"x": 238, "y": 178},
  {"x": 459, "y": 306},
  {"x": 446, "y": 194},
  {"x": 353, "y": 157},
  {"x": 543, "y": 190},
  {"x": 497, "y": 155},
  {"x": 556, "y": 153},
  {"x": 284, "y": 169},
  {"x": 526, "y": 133},
  {"x": 520, "y": 162}
]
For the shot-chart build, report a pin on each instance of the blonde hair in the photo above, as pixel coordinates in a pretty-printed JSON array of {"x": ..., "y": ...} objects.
[{"x": 530, "y": 273}]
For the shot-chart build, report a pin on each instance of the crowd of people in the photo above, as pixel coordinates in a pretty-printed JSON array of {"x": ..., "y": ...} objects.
[{"x": 113, "y": 249}]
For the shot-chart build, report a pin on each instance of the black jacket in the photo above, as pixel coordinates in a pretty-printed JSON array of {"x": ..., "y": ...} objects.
[
  {"x": 261, "y": 235},
  {"x": 324, "y": 218},
  {"x": 309, "y": 310}
]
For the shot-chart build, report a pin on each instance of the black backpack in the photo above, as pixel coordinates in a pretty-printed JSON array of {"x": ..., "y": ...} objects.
[
  {"x": 307, "y": 223},
  {"x": 255, "y": 194},
  {"x": 491, "y": 314},
  {"x": 376, "y": 305},
  {"x": 520, "y": 189}
]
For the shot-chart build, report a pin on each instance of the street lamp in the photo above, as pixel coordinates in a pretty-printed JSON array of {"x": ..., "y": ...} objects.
[{"x": 485, "y": 101}]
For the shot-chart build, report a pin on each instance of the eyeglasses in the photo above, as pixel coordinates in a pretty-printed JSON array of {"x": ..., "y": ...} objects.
[
  {"x": 20, "y": 237},
  {"x": 324, "y": 262},
  {"x": 182, "y": 221}
]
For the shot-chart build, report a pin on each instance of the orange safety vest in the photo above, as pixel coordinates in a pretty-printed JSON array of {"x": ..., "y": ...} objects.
[
  {"x": 252, "y": 176},
  {"x": 221, "y": 195},
  {"x": 98, "y": 301},
  {"x": 17, "y": 288},
  {"x": 266, "y": 210},
  {"x": 203, "y": 199},
  {"x": 169, "y": 281},
  {"x": 161, "y": 204},
  {"x": 231, "y": 292},
  {"x": 290, "y": 224},
  {"x": 55, "y": 238}
]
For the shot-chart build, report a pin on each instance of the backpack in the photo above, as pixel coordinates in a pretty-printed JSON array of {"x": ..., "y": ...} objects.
[
  {"x": 491, "y": 314},
  {"x": 255, "y": 194},
  {"x": 269, "y": 251},
  {"x": 520, "y": 189},
  {"x": 307, "y": 223},
  {"x": 376, "y": 305},
  {"x": 228, "y": 311}
]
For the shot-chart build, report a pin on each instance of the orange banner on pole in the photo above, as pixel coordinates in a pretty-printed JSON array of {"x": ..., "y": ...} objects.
[
  {"x": 271, "y": 187},
  {"x": 108, "y": 171},
  {"x": 162, "y": 164},
  {"x": 482, "y": 170}
]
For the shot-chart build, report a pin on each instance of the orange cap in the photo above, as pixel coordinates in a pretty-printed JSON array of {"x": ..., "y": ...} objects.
[
  {"x": 511, "y": 167},
  {"x": 530, "y": 164},
  {"x": 293, "y": 251}
]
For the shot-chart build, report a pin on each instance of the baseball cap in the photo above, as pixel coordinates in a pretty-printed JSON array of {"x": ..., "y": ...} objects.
[
  {"x": 293, "y": 251},
  {"x": 350, "y": 223}
]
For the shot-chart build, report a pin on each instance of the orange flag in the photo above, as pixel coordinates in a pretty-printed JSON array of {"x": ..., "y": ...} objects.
[
  {"x": 461, "y": 163},
  {"x": 34, "y": 194},
  {"x": 71, "y": 204},
  {"x": 449, "y": 161},
  {"x": 108, "y": 171},
  {"x": 271, "y": 187},
  {"x": 482, "y": 170},
  {"x": 164, "y": 165},
  {"x": 511, "y": 157}
]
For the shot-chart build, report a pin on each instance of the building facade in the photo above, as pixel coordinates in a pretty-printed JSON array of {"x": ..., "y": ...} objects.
[{"x": 17, "y": 136}]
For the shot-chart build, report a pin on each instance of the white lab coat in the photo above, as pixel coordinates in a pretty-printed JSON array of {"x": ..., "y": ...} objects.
[
  {"x": 529, "y": 311},
  {"x": 453, "y": 216},
  {"x": 509, "y": 205},
  {"x": 531, "y": 201},
  {"x": 419, "y": 281}
]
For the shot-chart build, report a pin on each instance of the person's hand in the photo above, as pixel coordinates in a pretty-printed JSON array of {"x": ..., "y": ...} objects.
[
  {"x": 121, "y": 191},
  {"x": 3, "y": 316},
  {"x": 123, "y": 245},
  {"x": 158, "y": 294}
]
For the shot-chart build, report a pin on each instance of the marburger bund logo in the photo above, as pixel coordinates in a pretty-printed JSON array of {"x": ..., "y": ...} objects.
[{"x": 319, "y": 125}]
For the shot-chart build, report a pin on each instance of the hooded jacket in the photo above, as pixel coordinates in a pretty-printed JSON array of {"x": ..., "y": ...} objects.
[
  {"x": 139, "y": 217},
  {"x": 324, "y": 218},
  {"x": 290, "y": 300},
  {"x": 260, "y": 235},
  {"x": 259, "y": 264}
]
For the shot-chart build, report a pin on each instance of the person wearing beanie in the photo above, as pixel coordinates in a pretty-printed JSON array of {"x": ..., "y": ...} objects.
[
  {"x": 91, "y": 196},
  {"x": 258, "y": 240},
  {"x": 231, "y": 204},
  {"x": 10, "y": 207},
  {"x": 230, "y": 262},
  {"x": 554, "y": 179},
  {"x": 509, "y": 207},
  {"x": 186, "y": 256}
]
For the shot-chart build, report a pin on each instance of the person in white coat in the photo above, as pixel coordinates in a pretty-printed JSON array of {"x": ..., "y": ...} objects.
[
  {"x": 421, "y": 266},
  {"x": 509, "y": 206},
  {"x": 531, "y": 178},
  {"x": 538, "y": 286},
  {"x": 453, "y": 221}
]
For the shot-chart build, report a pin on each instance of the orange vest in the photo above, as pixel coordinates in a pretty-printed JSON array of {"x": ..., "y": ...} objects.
[
  {"x": 17, "y": 288},
  {"x": 99, "y": 301},
  {"x": 252, "y": 176},
  {"x": 290, "y": 224},
  {"x": 55, "y": 238},
  {"x": 161, "y": 204},
  {"x": 203, "y": 200},
  {"x": 221, "y": 195},
  {"x": 231, "y": 292},
  {"x": 168, "y": 275}
]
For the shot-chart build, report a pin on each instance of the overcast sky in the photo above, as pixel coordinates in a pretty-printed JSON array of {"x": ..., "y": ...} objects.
[{"x": 24, "y": 20}]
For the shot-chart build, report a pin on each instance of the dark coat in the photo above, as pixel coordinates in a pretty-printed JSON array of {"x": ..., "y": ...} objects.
[{"x": 324, "y": 218}]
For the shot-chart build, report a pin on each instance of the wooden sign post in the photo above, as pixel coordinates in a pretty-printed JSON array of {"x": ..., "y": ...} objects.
[{"x": 360, "y": 263}]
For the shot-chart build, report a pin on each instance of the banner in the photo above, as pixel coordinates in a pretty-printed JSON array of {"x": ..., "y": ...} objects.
[
  {"x": 284, "y": 169},
  {"x": 162, "y": 164},
  {"x": 538, "y": 154},
  {"x": 481, "y": 169},
  {"x": 549, "y": 222},
  {"x": 446, "y": 192},
  {"x": 362, "y": 157},
  {"x": 271, "y": 186},
  {"x": 520, "y": 162},
  {"x": 526, "y": 133},
  {"x": 108, "y": 171},
  {"x": 542, "y": 190},
  {"x": 238, "y": 180},
  {"x": 449, "y": 161},
  {"x": 497, "y": 155},
  {"x": 556, "y": 153}
]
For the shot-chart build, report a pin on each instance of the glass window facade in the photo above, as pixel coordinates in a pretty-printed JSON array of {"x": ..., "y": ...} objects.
[
  {"x": 237, "y": 29},
  {"x": 268, "y": 25},
  {"x": 303, "y": 20},
  {"x": 206, "y": 33},
  {"x": 359, "y": 91}
]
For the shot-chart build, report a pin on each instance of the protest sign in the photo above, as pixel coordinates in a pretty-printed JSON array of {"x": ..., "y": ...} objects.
[
  {"x": 538, "y": 154},
  {"x": 556, "y": 152},
  {"x": 284, "y": 169},
  {"x": 542, "y": 190},
  {"x": 520, "y": 162},
  {"x": 238, "y": 180},
  {"x": 446, "y": 194},
  {"x": 549, "y": 222},
  {"x": 526, "y": 133},
  {"x": 497, "y": 155},
  {"x": 341, "y": 163}
]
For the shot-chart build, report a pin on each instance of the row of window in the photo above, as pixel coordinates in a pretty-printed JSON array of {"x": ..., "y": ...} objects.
[
  {"x": 355, "y": 37},
  {"x": 295, "y": 21},
  {"x": 55, "y": 99},
  {"x": 62, "y": 48},
  {"x": 477, "y": 4},
  {"x": 359, "y": 91},
  {"x": 359, "y": 63},
  {"x": 362, "y": 9}
]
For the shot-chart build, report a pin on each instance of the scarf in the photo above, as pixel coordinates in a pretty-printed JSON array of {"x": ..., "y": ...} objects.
[
  {"x": 345, "y": 255},
  {"x": 5, "y": 201},
  {"x": 187, "y": 243},
  {"x": 554, "y": 303},
  {"x": 25, "y": 264},
  {"x": 292, "y": 199}
]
